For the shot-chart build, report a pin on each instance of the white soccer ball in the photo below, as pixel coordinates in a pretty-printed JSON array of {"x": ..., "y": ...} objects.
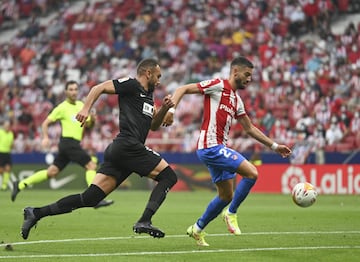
[{"x": 304, "y": 194}]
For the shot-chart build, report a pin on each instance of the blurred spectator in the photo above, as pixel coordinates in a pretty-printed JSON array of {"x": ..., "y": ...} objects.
[
  {"x": 314, "y": 63},
  {"x": 25, "y": 122},
  {"x": 322, "y": 112},
  {"x": 355, "y": 124},
  {"x": 353, "y": 56},
  {"x": 267, "y": 122},
  {"x": 10, "y": 11},
  {"x": 317, "y": 139},
  {"x": 342, "y": 89},
  {"x": 334, "y": 133},
  {"x": 312, "y": 12},
  {"x": 195, "y": 39},
  {"x": 6, "y": 60},
  {"x": 32, "y": 29},
  {"x": 40, "y": 7},
  {"x": 56, "y": 28},
  {"x": 27, "y": 54},
  {"x": 297, "y": 19}
]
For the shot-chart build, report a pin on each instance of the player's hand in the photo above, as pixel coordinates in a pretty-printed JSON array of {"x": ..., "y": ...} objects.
[
  {"x": 82, "y": 116},
  {"x": 168, "y": 102},
  {"x": 283, "y": 150},
  {"x": 45, "y": 143},
  {"x": 168, "y": 119}
]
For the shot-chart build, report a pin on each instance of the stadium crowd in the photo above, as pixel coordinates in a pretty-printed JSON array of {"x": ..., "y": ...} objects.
[{"x": 305, "y": 91}]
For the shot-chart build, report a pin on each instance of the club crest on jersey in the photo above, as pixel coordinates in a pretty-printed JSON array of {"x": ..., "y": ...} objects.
[
  {"x": 123, "y": 79},
  {"x": 205, "y": 83},
  {"x": 227, "y": 109},
  {"x": 148, "y": 109}
]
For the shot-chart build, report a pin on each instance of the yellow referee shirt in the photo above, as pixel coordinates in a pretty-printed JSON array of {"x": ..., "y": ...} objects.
[
  {"x": 6, "y": 141},
  {"x": 65, "y": 112}
]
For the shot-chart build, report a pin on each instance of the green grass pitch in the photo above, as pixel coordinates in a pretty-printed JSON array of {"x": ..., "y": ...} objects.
[{"x": 274, "y": 229}]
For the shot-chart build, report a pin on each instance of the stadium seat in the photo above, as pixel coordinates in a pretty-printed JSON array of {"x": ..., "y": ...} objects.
[
  {"x": 344, "y": 147},
  {"x": 350, "y": 139},
  {"x": 330, "y": 148}
]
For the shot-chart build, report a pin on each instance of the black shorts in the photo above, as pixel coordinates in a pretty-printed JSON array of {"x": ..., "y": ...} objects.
[
  {"x": 70, "y": 151},
  {"x": 5, "y": 159},
  {"x": 123, "y": 157}
]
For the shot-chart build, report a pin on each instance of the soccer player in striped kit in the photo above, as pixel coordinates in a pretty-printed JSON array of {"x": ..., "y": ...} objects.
[{"x": 222, "y": 104}]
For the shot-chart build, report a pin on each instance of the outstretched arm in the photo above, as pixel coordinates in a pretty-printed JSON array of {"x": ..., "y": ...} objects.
[
  {"x": 179, "y": 93},
  {"x": 106, "y": 87},
  {"x": 186, "y": 89},
  {"x": 254, "y": 132}
]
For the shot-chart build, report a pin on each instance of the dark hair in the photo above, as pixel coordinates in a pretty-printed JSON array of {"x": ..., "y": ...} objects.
[
  {"x": 241, "y": 61},
  {"x": 71, "y": 82},
  {"x": 146, "y": 64}
]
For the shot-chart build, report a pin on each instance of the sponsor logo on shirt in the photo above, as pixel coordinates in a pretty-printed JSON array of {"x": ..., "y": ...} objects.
[
  {"x": 148, "y": 109},
  {"x": 227, "y": 109}
]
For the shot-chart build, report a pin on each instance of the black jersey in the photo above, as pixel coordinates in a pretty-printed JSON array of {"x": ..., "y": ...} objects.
[{"x": 136, "y": 107}]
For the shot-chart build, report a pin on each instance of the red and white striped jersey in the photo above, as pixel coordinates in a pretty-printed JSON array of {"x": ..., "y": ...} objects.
[{"x": 221, "y": 105}]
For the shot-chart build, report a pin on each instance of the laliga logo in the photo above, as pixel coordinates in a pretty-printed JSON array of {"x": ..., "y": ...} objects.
[{"x": 291, "y": 177}]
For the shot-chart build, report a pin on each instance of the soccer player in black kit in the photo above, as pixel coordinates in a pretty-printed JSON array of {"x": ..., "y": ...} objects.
[{"x": 127, "y": 153}]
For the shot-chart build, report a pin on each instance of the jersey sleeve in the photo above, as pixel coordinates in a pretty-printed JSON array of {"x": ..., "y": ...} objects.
[
  {"x": 124, "y": 86},
  {"x": 210, "y": 86},
  {"x": 55, "y": 114},
  {"x": 240, "y": 108}
]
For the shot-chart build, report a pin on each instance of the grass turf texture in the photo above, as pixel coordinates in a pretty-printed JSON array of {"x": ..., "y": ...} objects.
[{"x": 274, "y": 229}]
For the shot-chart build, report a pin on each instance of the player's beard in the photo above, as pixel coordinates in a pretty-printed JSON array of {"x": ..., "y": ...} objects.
[
  {"x": 151, "y": 87},
  {"x": 240, "y": 84},
  {"x": 72, "y": 98}
]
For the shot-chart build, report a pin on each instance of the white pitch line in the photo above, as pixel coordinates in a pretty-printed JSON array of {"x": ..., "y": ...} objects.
[
  {"x": 175, "y": 236},
  {"x": 181, "y": 252}
]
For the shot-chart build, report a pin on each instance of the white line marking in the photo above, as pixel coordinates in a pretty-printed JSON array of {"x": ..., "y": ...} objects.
[
  {"x": 177, "y": 236},
  {"x": 183, "y": 252},
  {"x": 178, "y": 252}
]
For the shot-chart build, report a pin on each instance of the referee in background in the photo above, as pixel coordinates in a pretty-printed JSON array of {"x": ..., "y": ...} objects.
[{"x": 69, "y": 149}]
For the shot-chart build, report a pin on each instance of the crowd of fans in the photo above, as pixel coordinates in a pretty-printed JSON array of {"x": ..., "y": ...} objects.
[{"x": 304, "y": 92}]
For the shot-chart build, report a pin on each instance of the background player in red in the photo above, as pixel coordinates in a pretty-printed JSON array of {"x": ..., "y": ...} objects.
[{"x": 221, "y": 105}]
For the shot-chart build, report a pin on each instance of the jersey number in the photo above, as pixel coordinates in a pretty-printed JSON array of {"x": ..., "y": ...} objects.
[{"x": 225, "y": 152}]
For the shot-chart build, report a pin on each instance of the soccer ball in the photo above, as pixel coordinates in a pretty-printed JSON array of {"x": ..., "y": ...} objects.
[{"x": 304, "y": 194}]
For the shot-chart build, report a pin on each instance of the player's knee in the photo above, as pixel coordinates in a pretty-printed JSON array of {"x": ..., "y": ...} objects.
[
  {"x": 92, "y": 196},
  {"x": 167, "y": 174},
  {"x": 252, "y": 173}
]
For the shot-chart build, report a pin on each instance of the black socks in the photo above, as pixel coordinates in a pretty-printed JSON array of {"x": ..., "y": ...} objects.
[
  {"x": 89, "y": 198},
  {"x": 166, "y": 180}
]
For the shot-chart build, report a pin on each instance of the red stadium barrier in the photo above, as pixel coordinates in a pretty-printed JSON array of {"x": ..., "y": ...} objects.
[
  {"x": 280, "y": 178},
  {"x": 328, "y": 179}
]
